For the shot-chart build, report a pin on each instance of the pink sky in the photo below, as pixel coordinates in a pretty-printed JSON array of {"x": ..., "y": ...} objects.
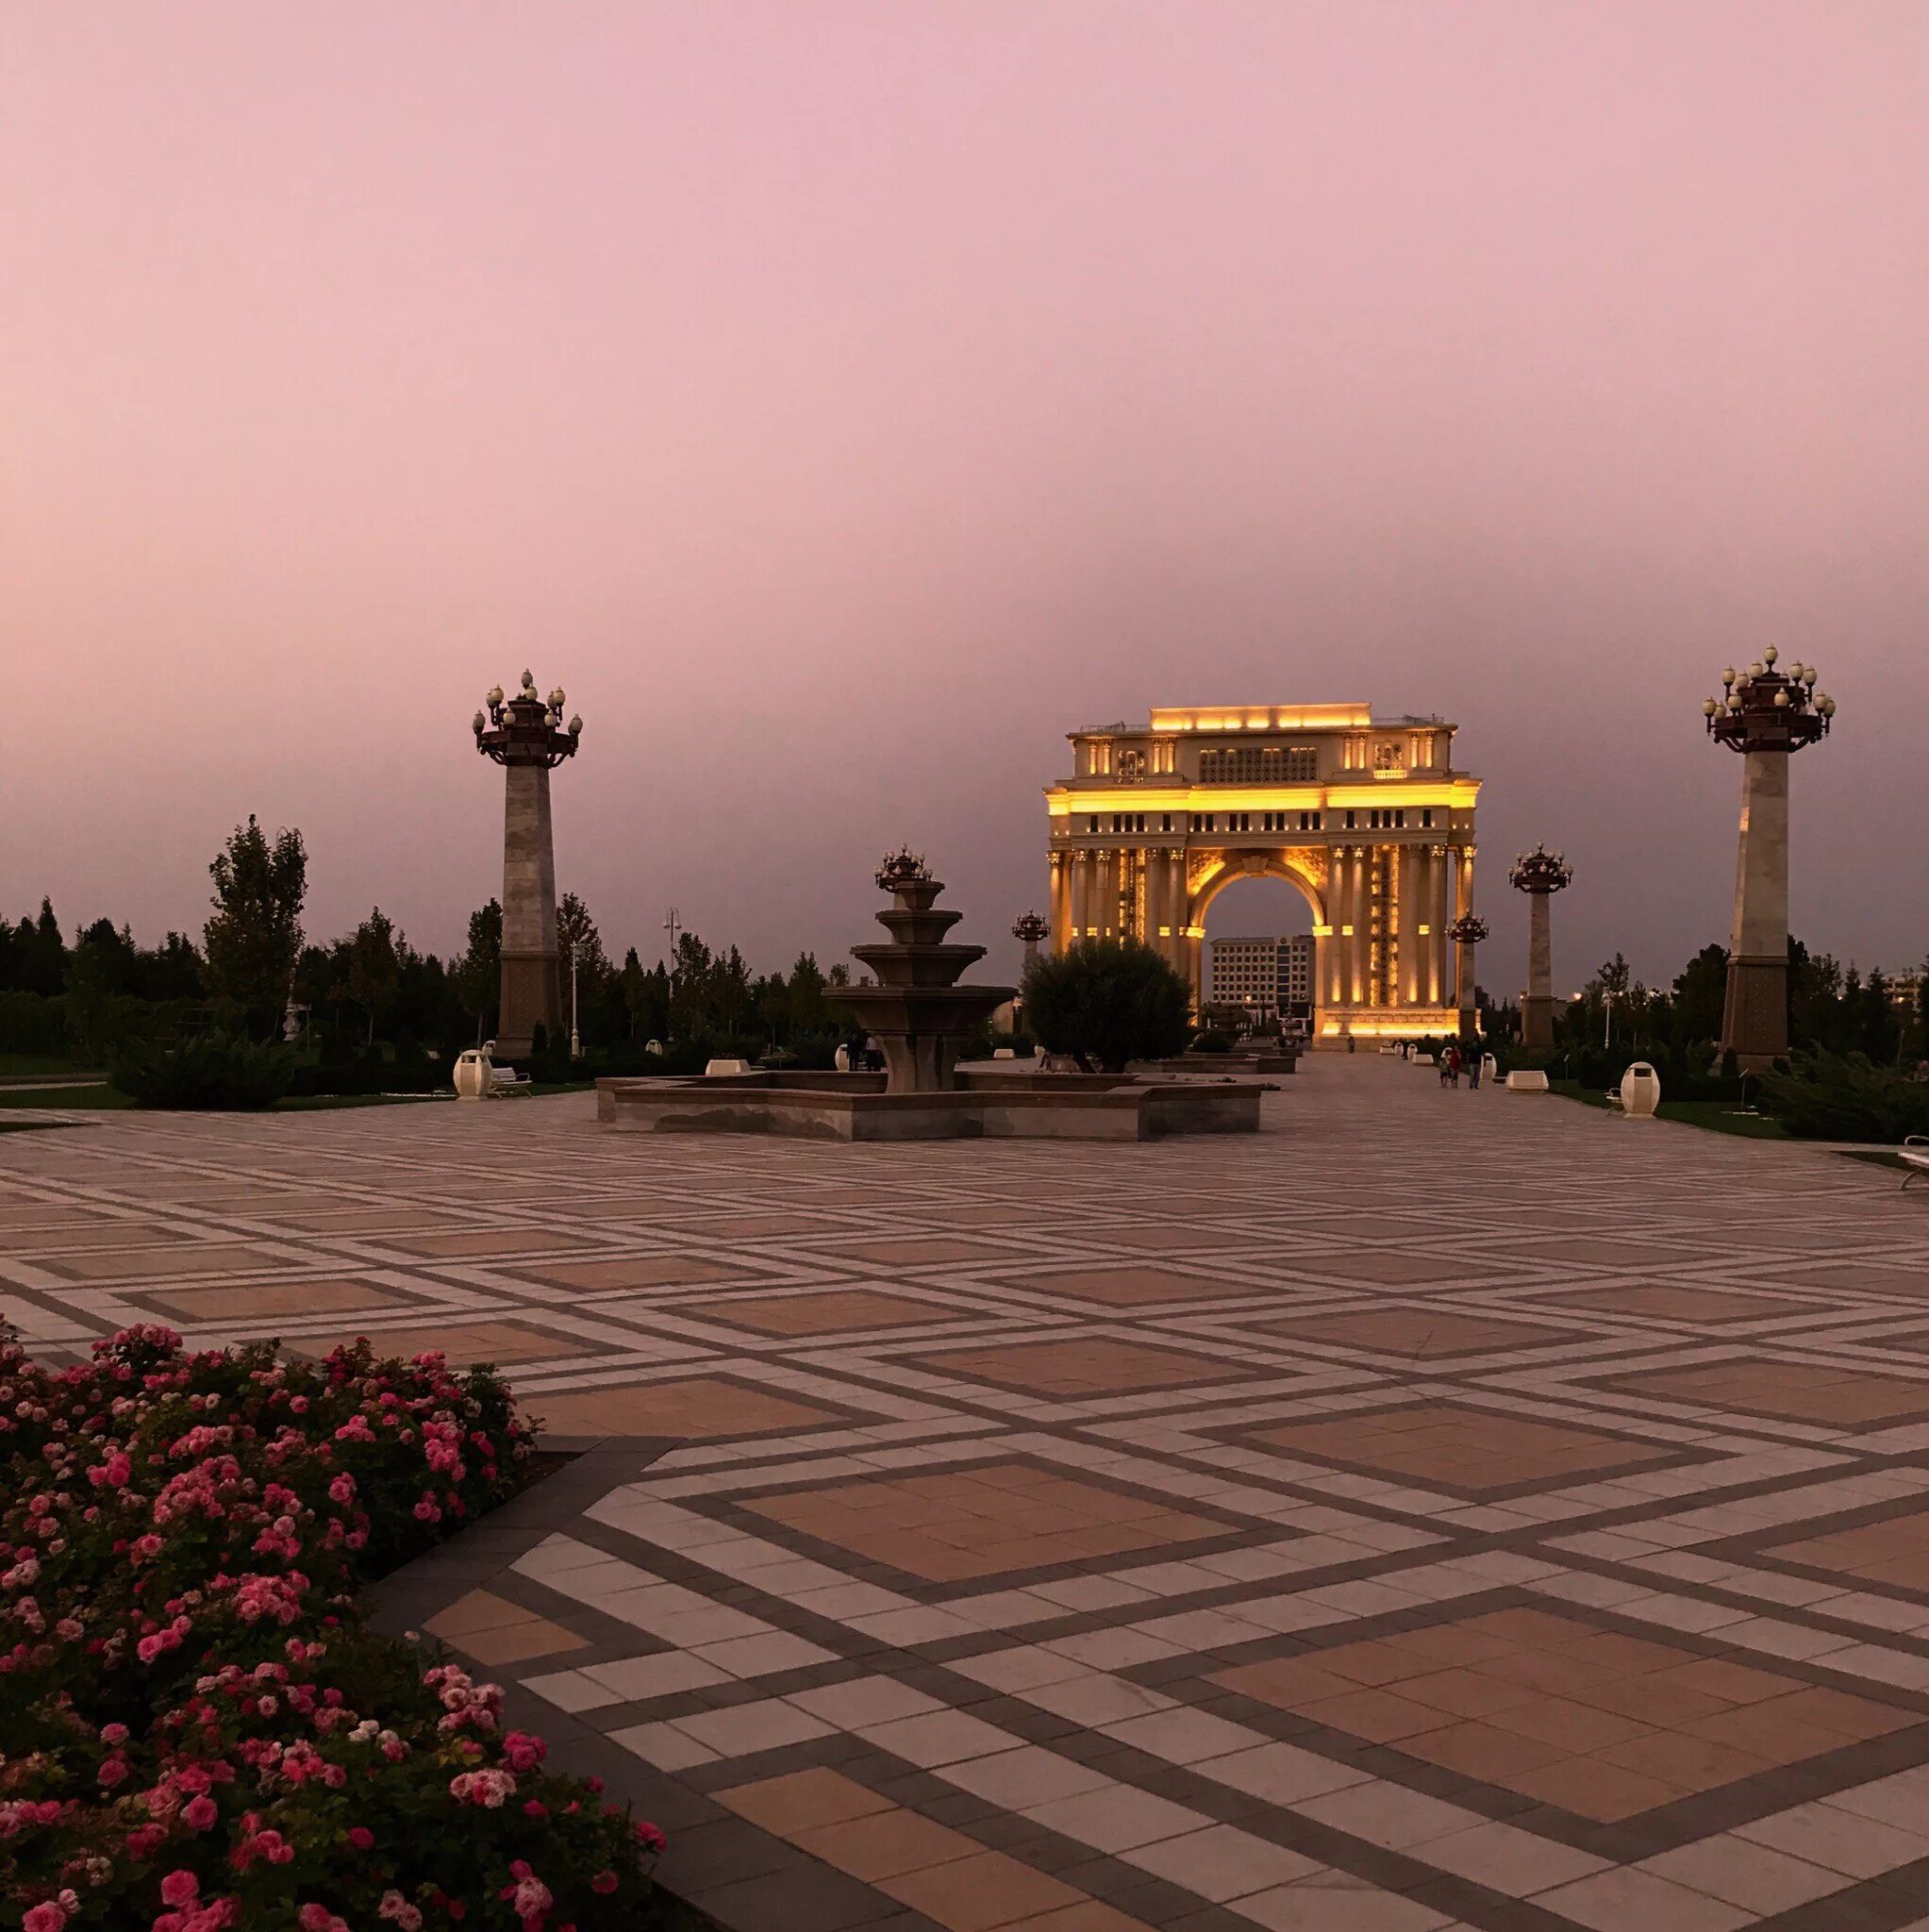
[{"x": 843, "y": 401}]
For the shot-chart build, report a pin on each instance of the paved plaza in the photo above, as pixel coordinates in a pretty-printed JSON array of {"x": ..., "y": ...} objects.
[{"x": 1441, "y": 1508}]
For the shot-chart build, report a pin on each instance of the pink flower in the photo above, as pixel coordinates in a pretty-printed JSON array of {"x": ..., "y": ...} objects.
[
  {"x": 44, "y": 1917},
  {"x": 649, "y": 1837},
  {"x": 360, "y": 1837},
  {"x": 199, "y": 1813},
  {"x": 395, "y": 1907},
  {"x": 522, "y": 1752},
  {"x": 180, "y": 1887},
  {"x": 604, "y": 1882}
]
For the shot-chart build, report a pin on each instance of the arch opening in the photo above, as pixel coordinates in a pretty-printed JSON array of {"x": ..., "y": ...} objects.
[{"x": 1258, "y": 954}]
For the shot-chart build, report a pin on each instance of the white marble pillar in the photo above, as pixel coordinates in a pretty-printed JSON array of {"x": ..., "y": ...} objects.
[{"x": 1754, "y": 1019}]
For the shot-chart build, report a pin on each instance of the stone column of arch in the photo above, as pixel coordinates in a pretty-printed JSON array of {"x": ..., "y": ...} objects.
[
  {"x": 1059, "y": 898},
  {"x": 1331, "y": 951},
  {"x": 1410, "y": 900},
  {"x": 1360, "y": 892},
  {"x": 1158, "y": 883},
  {"x": 1442, "y": 961},
  {"x": 1462, "y": 862}
]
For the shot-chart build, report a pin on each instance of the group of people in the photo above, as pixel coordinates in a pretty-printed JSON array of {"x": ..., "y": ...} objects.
[{"x": 1453, "y": 1063}]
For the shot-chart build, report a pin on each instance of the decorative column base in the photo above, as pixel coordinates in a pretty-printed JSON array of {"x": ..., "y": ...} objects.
[
  {"x": 1536, "y": 1019},
  {"x": 1755, "y": 1017},
  {"x": 531, "y": 997}
]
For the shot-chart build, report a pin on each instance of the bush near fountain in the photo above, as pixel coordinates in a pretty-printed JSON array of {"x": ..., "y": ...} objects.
[{"x": 921, "y": 1018}]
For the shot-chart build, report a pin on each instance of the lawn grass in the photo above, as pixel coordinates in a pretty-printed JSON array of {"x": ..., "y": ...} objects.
[
  {"x": 29, "y": 1065},
  {"x": 96, "y": 1097},
  {"x": 1717, "y": 1116},
  {"x": 326, "y": 1103}
]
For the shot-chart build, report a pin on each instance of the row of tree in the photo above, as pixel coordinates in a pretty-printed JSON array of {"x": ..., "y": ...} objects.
[
  {"x": 254, "y": 961},
  {"x": 1832, "y": 1007}
]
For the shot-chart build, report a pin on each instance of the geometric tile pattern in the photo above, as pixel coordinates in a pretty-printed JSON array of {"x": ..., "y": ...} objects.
[{"x": 1438, "y": 1509}]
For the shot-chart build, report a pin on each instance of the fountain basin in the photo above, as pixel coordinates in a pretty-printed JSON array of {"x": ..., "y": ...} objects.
[{"x": 983, "y": 1106}]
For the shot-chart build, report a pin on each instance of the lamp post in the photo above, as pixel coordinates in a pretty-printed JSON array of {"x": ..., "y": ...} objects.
[
  {"x": 1539, "y": 873},
  {"x": 1467, "y": 933},
  {"x": 1033, "y": 929},
  {"x": 1765, "y": 714},
  {"x": 525, "y": 735}
]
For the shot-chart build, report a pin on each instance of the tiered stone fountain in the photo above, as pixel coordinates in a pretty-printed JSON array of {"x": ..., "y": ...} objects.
[
  {"x": 921, "y": 1018},
  {"x": 917, "y": 1011}
]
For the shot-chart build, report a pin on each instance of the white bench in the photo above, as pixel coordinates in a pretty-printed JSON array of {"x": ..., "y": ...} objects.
[
  {"x": 1915, "y": 1157},
  {"x": 507, "y": 1076}
]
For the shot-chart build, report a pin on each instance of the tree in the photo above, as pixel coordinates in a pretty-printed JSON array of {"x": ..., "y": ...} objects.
[
  {"x": 577, "y": 940},
  {"x": 373, "y": 966},
  {"x": 254, "y": 937},
  {"x": 1108, "y": 1001},
  {"x": 690, "y": 987},
  {"x": 478, "y": 969},
  {"x": 805, "y": 1006},
  {"x": 1700, "y": 994}
]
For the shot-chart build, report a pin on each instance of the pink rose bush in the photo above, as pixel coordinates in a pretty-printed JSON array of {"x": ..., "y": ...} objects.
[{"x": 197, "y": 1729}]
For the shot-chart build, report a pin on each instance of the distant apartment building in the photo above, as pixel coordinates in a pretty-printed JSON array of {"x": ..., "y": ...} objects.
[{"x": 1266, "y": 977}]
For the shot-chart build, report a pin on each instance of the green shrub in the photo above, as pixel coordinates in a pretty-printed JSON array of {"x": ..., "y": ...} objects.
[
  {"x": 1212, "y": 1042},
  {"x": 33, "y": 1023},
  {"x": 1827, "y": 1096},
  {"x": 217, "y": 1071},
  {"x": 1108, "y": 1001}
]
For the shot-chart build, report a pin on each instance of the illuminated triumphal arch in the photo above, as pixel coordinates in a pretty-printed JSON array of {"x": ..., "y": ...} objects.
[{"x": 1367, "y": 816}]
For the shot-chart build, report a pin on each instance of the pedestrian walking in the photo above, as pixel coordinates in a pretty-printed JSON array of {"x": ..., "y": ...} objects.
[{"x": 1473, "y": 1068}]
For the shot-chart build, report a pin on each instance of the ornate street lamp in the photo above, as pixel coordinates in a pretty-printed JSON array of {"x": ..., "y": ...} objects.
[
  {"x": 1466, "y": 932},
  {"x": 902, "y": 868},
  {"x": 1765, "y": 714},
  {"x": 1033, "y": 929},
  {"x": 526, "y": 736},
  {"x": 1539, "y": 873}
]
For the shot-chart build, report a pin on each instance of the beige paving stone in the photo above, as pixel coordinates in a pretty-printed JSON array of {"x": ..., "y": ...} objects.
[
  {"x": 635, "y": 1270},
  {"x": 1097, "y": 1366},
  {"x": 950, "y": 1528},
  {"x": 256, "y": 1301},
  {"x": 831, "y": 1311},
  {"x": 1131, "y": 1286},
  {"x": 1457, "y": 1446},
  {"x": 696, "y": 1408},
  {"x": 1847, "y": 1396},
  {"x": 463, "y": 1342},
  {"x": 159, "y": 1263},
  {"x": 1415, "y": 1334}
]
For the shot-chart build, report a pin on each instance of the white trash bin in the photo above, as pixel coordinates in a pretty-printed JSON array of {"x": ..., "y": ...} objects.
[
  {"x": 1640, "y": 1091},
  {"x": 474, "y": 1074}
]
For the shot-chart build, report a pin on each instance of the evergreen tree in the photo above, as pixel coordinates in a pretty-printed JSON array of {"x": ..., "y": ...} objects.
[
  {"x": 477, "y": 971},
  {"x": 374, "y": 967},
  {"x": 254, "y": 937}
]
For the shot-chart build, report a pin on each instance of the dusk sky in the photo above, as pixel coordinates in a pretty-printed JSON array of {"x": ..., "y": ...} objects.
[{"x": 845, "y": 401}]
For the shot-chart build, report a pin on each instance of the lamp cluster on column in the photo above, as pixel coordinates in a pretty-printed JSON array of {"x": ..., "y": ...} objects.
[
  {"x": 1539, "y": 873},
  {"x": 526, "y": 736},
  {"x": 1765, "y": 714},
  {"x": 1764, "y": 709},
  {"x": 526, "y": 729}
]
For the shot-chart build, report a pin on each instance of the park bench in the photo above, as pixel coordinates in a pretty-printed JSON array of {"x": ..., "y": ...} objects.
[
  {"x": 1914, "y": 1153},
  {"x": 507, "y": 1076}
]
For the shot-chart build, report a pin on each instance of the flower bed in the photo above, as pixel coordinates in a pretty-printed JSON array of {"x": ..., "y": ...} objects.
[{"x": 198, "y": 1730}]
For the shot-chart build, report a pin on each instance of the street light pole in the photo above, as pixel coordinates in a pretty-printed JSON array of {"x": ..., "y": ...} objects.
[{"x": 575, "y": 1040}]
